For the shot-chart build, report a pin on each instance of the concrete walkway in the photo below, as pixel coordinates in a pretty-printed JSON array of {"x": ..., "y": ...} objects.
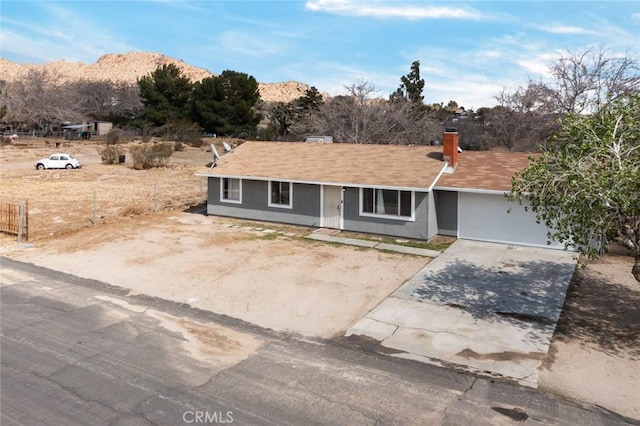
[
  {"x": 373, "y": 244},
  {"x": 489, "y": 308}
]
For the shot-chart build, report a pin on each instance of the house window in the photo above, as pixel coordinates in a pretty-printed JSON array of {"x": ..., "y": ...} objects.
[
  {"x": 231, "y": 190},
  {"x": 280, "y": 194},
  {"x": 389, "y": 203}
]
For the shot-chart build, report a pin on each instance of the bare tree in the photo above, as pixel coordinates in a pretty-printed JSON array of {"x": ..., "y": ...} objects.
[
  {"x": 93, "y": 98},
  {"x": 581, "y": 83},
  {"x": 359, "y": 118},
  {"x": 126, "y": 104},
  {"x": 4, "y": 97},
  {"x": 584, "y": 82},
  {"x": 38, "y": 100},
  {"x": 524, "y": 119},
  {"x": 105, "y": 100},
  {"x": 347, "y": 117},
  {"x": 357, "y": 125}
]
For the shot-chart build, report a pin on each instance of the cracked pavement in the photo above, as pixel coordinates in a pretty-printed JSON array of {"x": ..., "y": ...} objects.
[{"x": 80, "y": 352}]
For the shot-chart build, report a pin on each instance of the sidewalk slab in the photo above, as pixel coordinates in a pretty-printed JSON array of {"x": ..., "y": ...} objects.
[
  {"x": 408, "y": 250},
  {"x": 372, "y": 244},
  {"x": 412, "y": 314},
  {"x": 342, "y": 240},
  {"x": 371, "y": 328}
]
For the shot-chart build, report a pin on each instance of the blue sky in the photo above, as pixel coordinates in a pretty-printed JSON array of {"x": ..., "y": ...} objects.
[{"x": 469, "y": 50}]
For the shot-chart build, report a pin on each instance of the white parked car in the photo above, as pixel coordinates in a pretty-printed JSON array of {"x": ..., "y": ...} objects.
[{"x": 58, "y": 161}]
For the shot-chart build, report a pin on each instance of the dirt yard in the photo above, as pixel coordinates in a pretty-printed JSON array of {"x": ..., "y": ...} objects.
[
  {"x": 269, "y": 275},
  {"x": 265, "y": 274},
  {"x": 595, "y": 352},
  {"x": 60, "y": 201},
  {"x": 144, "y": 241}
]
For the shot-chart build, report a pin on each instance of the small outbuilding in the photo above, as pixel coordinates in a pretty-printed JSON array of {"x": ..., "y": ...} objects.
[{"x": 101, "y": 128}]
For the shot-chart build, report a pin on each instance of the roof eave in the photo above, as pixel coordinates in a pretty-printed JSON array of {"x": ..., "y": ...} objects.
[
  {"x": 471, "y": 190},
  {"x": 328, "y": 183}
]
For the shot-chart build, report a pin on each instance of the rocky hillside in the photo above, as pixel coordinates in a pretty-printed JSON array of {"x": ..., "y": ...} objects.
[{"x": 128, "y": 67}]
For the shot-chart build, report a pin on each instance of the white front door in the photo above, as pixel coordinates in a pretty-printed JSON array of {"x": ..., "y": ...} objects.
[{"x": 331, "y": 207}]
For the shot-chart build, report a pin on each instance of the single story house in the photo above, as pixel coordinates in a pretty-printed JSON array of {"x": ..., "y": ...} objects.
[{"x": 397, "y": 190}]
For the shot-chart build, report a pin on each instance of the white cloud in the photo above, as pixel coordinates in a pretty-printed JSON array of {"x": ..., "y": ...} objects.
[
  {"x": 54, "y": 44},
  {"x": 565, "y": 29},
  {"x": 533, "y": 66},
  {"x": 612, "y": 34},
  {"x": 332, "y": 77},
  {"x": 253, "y": 45},
  {"x": 445, "y": 79},
  {"x": 64, "y": 36},
  {"x": 180, "y": 4},
  {"x": 392, "y": 10},
  {"x": 490, "y": 54},
  {"x": 467, "y": 91}
]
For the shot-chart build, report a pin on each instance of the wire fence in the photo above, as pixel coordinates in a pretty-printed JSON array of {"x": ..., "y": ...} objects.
[{"x": 81, "y": 208}]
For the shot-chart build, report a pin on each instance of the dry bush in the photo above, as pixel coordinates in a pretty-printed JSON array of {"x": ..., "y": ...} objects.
[
  {"x": 182, "y": 131},
  {"x": 113, "y": 137},
  {"x": 148, "y": 155},
  {"x": 111, "y": 154},
  {"x": 133, "y": 211}
]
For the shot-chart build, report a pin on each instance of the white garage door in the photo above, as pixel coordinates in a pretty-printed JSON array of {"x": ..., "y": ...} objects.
[{"x": 485, "y": 217}]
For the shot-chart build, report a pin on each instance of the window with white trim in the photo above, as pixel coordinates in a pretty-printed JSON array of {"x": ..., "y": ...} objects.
[
  {"x": 387, "y": 203},
  {"x": 280, "y": 194},
  {"x": 231, "y": 190}
]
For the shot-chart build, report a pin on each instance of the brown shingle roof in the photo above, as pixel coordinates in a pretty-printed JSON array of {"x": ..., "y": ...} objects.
[
  {"x": 355, "y": 164},
  {"x": 485, "y": 170},
  {"x": 370, "y": 165}
]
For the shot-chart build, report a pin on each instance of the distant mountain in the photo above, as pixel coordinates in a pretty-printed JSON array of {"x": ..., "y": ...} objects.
[{"x": 128, "y": 67}]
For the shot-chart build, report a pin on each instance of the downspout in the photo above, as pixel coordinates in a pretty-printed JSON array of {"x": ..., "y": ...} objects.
[{"x": 432, "y": 219}]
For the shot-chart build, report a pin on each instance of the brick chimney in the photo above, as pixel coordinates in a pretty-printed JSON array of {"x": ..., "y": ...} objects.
[{"x": 450, "y": 146}]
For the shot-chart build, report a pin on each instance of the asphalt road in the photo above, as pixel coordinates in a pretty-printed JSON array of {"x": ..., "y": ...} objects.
[{"x": 76, "y": 351}]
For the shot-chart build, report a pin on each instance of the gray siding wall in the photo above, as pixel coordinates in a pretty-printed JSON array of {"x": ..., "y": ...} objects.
[
  {"x": 447, "y": 212},
  {"x": 373, "y": 225},
  {"x": 307, "y": 210},
  {"x": 255, "y": 203}
]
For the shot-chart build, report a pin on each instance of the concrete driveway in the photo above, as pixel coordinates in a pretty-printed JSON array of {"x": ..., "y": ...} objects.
[{"x": 490, "y": 308}]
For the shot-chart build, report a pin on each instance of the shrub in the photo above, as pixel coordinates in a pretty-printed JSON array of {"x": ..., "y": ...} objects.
[
  {"x": 111, "y": 154},
  {"x": 148, "y": 155},
  {"x": 146, "y": 132},
  {"x": 182, "y": 131},
  {"x": 196, "y": 142},
  {"x": 268, "y": 133},
  {"x": 178, "y": 146},
  {"x": 113, "y": 137}
]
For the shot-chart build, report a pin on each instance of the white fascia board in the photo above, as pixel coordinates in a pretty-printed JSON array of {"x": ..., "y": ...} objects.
[
  {"x": 312, "y": 182},
  {"x": 476, "y": 191},
  {"x": 471, "y": 190}
]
